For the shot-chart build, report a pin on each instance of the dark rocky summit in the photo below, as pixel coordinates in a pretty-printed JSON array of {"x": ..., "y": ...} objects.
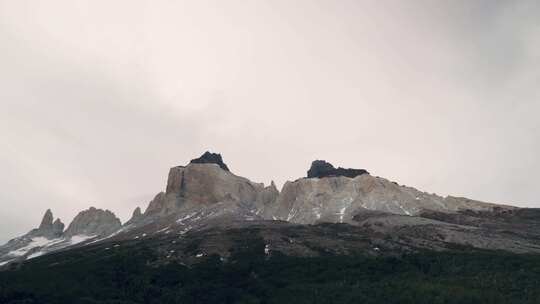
[
  {"x": 321, "y": 168},
  {"x": 210, "y": 158}
]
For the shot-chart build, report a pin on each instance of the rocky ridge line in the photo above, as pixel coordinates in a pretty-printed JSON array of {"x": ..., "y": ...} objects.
[
  {"x": 50, "y": 236},
  {"x": 202, "y": 194}
]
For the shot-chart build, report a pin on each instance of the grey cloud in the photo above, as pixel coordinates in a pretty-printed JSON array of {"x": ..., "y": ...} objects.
[{"x": 99, "y": 99}]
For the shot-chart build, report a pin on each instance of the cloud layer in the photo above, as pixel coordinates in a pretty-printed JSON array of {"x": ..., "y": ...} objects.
[{"x": 99, "y": 99}]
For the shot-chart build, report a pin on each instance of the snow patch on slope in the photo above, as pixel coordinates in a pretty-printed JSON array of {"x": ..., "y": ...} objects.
[
  {"x": 402, "y": 208},
  {"x": 41, "y": 242},
  {"x": 35, "y": 255},
  {"x": 76, "y": 239}
]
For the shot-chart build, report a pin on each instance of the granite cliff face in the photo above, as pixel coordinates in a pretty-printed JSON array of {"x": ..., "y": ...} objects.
[
  {"x": 201, "y": 185},
  {"x": 205, "y": 195},
  {"x": 338, "y": 198},
  {"x": 328, "y": 194},
  {"x": 48, "y": 228},
  {"x": 93, "y": 222},
  {"x": 47, "y": 221},
  {"x": 135, "y": 216}
]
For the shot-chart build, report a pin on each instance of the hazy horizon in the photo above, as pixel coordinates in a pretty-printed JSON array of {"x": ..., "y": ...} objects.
[{"x": 100, "y": 99}]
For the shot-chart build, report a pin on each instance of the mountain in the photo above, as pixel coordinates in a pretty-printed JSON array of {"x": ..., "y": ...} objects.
[
  {"x": 48, "y": 228},
  {"x": 93, "y": 222},
  {"x": 209, "y": 224},
  {"x": 205, "y": 195},
  {"x": 50, "y": 236},
  {"x": 339, "y": 198}
]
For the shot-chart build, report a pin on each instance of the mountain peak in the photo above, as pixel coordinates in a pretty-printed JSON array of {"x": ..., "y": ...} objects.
[
  {"x": 58, "y": 227},
  {"x": 210, "y": 158},
  {"x": 321, "y": 168},
  {"x": 46, "y": 221},
  {"x": 47, "y": 228},
  {"x": 137, "y": 212},
  {"x": 135, "y": 216},
  {"x": 93, "y": 222}
]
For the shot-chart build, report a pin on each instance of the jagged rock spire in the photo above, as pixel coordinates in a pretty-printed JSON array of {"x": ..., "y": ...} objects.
[
  {"x": 137, "y": 215},
  {"x": 58, "y": 227},
  {"x": 47, "y": 228},
  {"x": 47, "y": 221}
]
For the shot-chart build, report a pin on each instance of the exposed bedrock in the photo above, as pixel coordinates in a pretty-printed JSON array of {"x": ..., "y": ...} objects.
[
  {"x": 93, "y": 222},
  {"x": 321, "y": 168},
  {"x": 210, "y": 158}
]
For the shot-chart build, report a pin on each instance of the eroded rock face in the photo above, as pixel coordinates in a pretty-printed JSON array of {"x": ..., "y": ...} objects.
[
  {"x": 268, "y": 195},
  {"x": 332, "y": 195},
  {"x": 338, "y": 199},
  {"x": 58, "y": 227},
  {"x": 206, "y": 188},
  {"x": 156, "y": 206},
  {"x": 93, "y": 222},
  {"x": 47, "y": 228},
  {"x": 321, "y": 168},
  {"x": 136, "y": 216},
  {"x": 48, "y": 236},
  {"x": 47, "y": 221},
  {"x": 201, "y": 185},
  {"x": 206, "y": 194},
  {"x": 210, "y": 158},
  {"x": 208, "y": 184}
]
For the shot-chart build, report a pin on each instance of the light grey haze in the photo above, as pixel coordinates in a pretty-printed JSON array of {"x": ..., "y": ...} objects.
[{"x": 99, "y": 98}]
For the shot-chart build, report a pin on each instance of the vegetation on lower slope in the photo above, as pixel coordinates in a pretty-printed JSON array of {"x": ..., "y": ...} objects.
[{"x": 125, "y": 275}]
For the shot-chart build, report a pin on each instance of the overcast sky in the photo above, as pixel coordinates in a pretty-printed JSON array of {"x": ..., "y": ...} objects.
[{"x": 100, "y": 98}]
